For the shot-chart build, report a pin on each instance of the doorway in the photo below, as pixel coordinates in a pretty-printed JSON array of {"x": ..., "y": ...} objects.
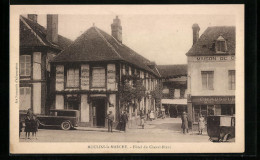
[{"x": 99, "y": 112}]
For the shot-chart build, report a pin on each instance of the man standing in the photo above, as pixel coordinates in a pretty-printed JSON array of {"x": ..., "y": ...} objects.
[
  {"x": 110, "y": 119},
  {"x": 184, "y": 125},
  {"x": 123, "y": 121}
]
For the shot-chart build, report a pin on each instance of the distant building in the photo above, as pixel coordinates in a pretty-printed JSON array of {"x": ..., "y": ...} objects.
[
  {"x": 211, "y": 72},
  {"x": 38, "y": 46},
  {"x": 87, "y": 75},
  {"x": 174, "y": 80}
]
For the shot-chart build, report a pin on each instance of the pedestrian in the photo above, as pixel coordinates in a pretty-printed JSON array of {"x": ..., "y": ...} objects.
[
  {"x": 163, "y": 112},
  {"x": 30, "y": 113},
  {"x": 110, "y": 119},
  {"x": 123, "y": 120},
  {"x": 201, "y": 124},
  {"x": 152, "y": 116},
  {"x": 142, "y": 117},
  {"x": 20, "y": 127},
  {"x": 28, "y": 127},
  {"x": 184, "y": 125},
  {"x": 34, "y": 125}
]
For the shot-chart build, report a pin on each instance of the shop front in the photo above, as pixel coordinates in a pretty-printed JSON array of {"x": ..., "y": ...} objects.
[{"x": 212, "y": 105}]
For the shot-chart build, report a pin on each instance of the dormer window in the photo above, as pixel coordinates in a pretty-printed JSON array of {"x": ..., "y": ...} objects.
[{"x": 221, "y": 45}]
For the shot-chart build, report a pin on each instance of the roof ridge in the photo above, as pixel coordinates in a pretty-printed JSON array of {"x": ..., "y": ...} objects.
[
  {"x": 109, "y": 45},
  {"x": 30, "y": 28}
]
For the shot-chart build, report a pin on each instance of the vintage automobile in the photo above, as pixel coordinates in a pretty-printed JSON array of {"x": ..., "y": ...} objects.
[
  {"x": 66, "y": 119},
  {"x": 221, "y": 128}
]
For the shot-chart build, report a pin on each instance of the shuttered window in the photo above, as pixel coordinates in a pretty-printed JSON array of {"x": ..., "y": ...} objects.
[
  {"x": 207, "y": 80},
  {"x": 231, "y": 80},
  {"x": 98, "y": 77},
  {"x": 73, "y": 77},
  {"x": 25, "y": 65}
]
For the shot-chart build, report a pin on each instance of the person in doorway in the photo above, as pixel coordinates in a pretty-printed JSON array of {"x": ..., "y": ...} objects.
[
  {"x": 28, "y": 127},
  {"x": 110, "y": 119},
  {"x": 142, "y": 117},
  {"x": 123, "y": 120},
  {"x": 184, "y": 124},
  {"x": 201, "y": 124},
  {"x": 34, "y": 125}
]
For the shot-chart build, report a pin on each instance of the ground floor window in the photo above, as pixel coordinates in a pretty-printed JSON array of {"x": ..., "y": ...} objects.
[
  {"x": 72, "y": 102},
  {"x": 227, "y": 109},
  {"x": 25, "y": 98},
  {"x": 207, "y": 110}
]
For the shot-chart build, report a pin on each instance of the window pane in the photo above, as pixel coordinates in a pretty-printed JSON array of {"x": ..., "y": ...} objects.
[
  {"x": 72, "y": 77},
  {"x": 231, "y": 79},
  {"x": 204, "y": 80},
  {"x": 28, "y": 71},
  {"x": 98, "y": 77},
  {"x": 22, "y": 59},
  {"x": 28, "y": 59},
  {"x": 210, "y": 80},
  {"x": 22, "y": 68},
  {"x": 28, "y": 91}
]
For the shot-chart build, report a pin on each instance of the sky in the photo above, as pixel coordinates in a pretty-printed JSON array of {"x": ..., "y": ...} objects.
[{"x": 164, "y": 39}]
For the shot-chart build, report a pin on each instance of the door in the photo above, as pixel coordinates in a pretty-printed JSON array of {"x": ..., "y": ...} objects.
[{"x": 99, "y": 112}]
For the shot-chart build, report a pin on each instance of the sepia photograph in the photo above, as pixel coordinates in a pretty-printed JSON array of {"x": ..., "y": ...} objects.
[{"x": 127, "y": 79}]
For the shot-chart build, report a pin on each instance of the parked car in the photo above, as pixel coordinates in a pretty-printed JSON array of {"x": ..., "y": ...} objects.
[
  {"x": 65, "y": 119},
  {"x": 221, "y": 128}
]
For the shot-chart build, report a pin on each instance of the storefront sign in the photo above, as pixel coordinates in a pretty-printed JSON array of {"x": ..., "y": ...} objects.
[
  {"x": 211, "y": 58},
  {"x": 213, "y": 99},
  {"x": 111, "y": 76},
  {"x": 85, "y": 76},
  {"x": 59, "y": 77}
]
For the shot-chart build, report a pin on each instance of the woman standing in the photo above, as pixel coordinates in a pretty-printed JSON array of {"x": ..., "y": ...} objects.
[{"x": 201, "y": 124}]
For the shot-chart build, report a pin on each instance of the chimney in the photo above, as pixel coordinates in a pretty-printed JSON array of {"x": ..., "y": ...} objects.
[
  {"x": 116, "y": 29},
  {"x": 52, "y": 28},
  {"x": 32, "y": 17},
  {"x": 196, "y": 29}
]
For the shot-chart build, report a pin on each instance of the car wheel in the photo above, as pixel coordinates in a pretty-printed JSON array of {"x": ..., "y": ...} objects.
[{"x": 65, "y": 125}]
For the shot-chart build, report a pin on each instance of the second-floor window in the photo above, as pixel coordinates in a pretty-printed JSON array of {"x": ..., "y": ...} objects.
[
  {"x": 73, "y": 77},
  {"x": 207, "y": 80},
  {"x": 98, "y": 77},
  {"x": 231, "y": 80},
  {"x": 25, "y": 65}
]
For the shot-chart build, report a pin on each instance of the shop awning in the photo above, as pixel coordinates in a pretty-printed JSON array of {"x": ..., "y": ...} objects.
[{"x": 175, "y": 101}]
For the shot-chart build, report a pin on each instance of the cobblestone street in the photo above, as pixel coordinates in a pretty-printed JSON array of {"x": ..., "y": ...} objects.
[{"x": 159, "y": 130}]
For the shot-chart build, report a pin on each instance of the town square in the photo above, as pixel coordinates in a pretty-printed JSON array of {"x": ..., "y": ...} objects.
[{"x": 80, "y": 81}]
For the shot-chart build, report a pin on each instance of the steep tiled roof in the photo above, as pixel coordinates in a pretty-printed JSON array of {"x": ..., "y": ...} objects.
[
  {"x": 167, "y": 71},
  {"x": 33, "y": 34},
  {"x": 206, "y": 43},
  {"x": 97, "y": 45}
]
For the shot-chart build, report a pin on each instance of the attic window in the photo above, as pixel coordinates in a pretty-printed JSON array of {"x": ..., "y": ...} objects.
[{"x": 221, "y": 45}]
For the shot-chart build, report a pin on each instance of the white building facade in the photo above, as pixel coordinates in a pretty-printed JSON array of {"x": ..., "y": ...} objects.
[{"x": 211, "y": 73}]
